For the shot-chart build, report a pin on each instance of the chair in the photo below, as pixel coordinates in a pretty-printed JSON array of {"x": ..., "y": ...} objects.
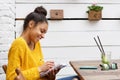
[
  {"x": 4, "y": 68},
  {"x": 17, "y": 71}
]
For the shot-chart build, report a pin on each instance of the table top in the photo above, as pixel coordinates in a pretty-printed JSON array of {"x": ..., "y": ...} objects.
[{"x": 95, "y": 74}]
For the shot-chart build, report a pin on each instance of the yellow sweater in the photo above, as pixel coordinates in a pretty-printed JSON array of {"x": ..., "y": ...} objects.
[{"x": 20, "y": 56}]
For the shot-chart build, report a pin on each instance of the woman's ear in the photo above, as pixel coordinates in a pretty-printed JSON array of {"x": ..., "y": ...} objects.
[{"x": 31, "y": 24}]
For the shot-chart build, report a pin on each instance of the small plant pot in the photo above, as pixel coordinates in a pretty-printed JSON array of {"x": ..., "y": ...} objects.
[{"x": 94, "y": 15}]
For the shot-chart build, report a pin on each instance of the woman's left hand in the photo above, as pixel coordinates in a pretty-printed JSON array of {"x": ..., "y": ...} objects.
[{"x": 51, "y": 75}]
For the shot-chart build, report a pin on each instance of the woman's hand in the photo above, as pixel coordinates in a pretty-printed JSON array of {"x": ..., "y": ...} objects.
[
  {"x": 51, "y": 75},
  {"x": 47, "y": 65},
  {"x": 19, "y": 75}
]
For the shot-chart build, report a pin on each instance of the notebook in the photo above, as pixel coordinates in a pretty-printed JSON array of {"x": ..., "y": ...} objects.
[{"x": 56, "y": 68}]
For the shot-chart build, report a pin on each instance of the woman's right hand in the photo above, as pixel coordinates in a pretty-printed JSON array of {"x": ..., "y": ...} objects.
[{"x": 46, "y": 66}]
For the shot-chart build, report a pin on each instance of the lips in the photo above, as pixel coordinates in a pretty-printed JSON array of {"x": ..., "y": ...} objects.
[{"x": 38, "y": 38}]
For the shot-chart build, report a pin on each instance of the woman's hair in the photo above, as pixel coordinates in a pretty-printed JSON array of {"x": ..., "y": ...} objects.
[{"x": 39, "y": 15}]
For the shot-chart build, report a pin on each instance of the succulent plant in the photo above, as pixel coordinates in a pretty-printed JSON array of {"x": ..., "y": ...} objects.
[{"x": 94, "y": 7}]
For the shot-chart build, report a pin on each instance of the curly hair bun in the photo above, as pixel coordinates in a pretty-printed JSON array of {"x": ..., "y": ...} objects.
[{"x": 41, "y": 10}]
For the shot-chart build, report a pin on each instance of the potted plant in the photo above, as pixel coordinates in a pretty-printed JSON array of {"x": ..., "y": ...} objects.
[{"x": 94, "y": 12}]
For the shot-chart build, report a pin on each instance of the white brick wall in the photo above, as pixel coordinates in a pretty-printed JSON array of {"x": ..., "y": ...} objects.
[
  {"x": 7, "y": 33},
  {"x": 66, "y": 39}
]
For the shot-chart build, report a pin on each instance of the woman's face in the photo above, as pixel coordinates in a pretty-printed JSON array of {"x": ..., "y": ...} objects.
[{"x": 38, "y": 32}]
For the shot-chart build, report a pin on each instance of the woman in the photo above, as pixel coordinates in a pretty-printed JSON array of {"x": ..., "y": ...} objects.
[
  {"x": 25, "y": 52},
  {"x": 25, "y": 58}
]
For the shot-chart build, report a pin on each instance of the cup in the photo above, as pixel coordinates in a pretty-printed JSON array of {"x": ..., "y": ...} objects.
[{"x": 106, "y": 59}]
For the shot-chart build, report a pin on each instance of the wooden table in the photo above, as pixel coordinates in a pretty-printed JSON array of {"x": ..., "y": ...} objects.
[{"x": 95, "y": 74}]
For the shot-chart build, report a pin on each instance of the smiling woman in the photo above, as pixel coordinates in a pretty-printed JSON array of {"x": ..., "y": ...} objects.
[{"x": 25, "y": 52}]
